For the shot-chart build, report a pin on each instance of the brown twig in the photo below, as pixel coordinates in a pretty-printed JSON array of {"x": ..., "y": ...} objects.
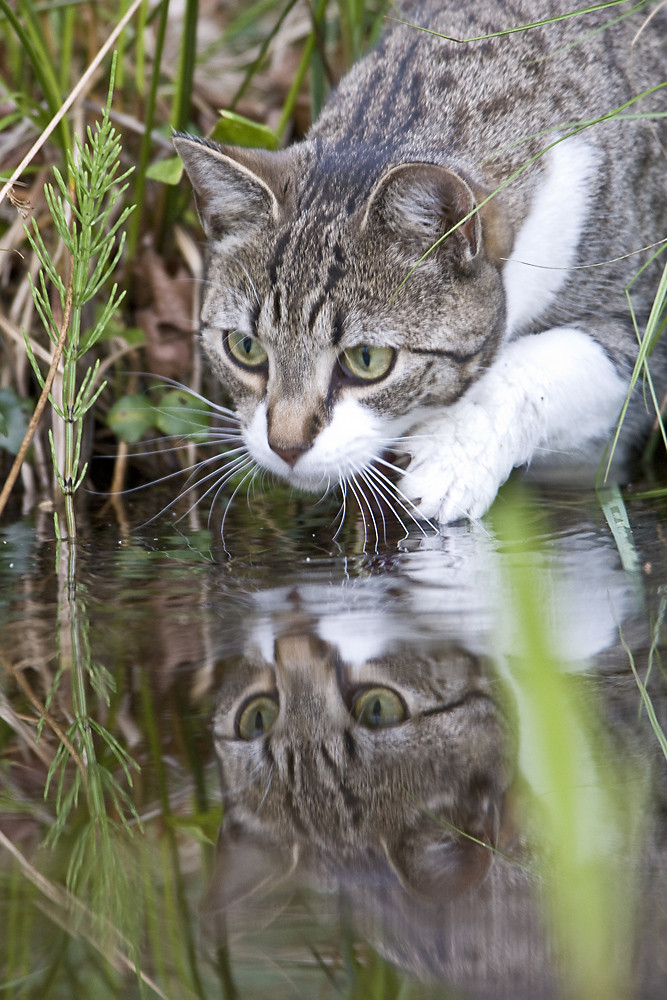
[
  {"x": 41, "y": 402},
  {"x": 78, "y": 90}
]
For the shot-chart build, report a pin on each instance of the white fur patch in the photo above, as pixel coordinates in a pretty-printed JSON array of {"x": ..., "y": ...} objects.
[
  {"x": 547, "y": 242},
  {"x": 553, "y": 393},
  {"x": 353, "y": 438}
]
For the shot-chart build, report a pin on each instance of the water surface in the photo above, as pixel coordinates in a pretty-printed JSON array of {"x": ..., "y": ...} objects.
[{"x": 419, "y": 768}]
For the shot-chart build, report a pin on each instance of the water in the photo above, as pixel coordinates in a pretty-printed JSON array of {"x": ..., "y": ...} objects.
[{"x": 417, "y": 768}]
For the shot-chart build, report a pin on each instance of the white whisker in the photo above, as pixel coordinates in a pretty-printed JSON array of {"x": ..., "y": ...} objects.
[
  {"x": 392, "y": 492},
  {"x": 251, "y": 485},
  {"x": 382, "y": 492},
  {"x": 343, "y": 507},
  {"x": 145, "y": 486},
  {"x": 222, "y": 484},
  {"x": 221, "y": 477},
  {"x": 353, "y": 486},
  {"x": 229, "y": 469},
  {"x": 217, "y": 407},
  {"x": 253, "y": 473},
  {"x": 377, "y": 496},
  {"x": 389, "y": 465},
  {"x": 181, "y": 443},
  {"x": 326, "y": 491},
  {"x": 266, "y": 790},
  {"x": 363, "y": 500}
]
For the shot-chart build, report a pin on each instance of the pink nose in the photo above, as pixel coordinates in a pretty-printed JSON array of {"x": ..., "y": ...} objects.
[{"x": 289, "y": 455}]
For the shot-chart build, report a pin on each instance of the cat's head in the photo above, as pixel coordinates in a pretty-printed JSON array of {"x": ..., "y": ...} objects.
[
  {"x": 389, "y": 773},
  {"x": 329, "y": 353}
]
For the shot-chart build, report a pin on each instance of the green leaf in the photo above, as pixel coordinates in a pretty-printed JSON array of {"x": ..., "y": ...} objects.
[
  {"x": 202, "y": 827},
  {"x": 179, "y": 414},
  {"x": 14, "y": 416},
  {"x": 166, "y": 171},
  {"x": 235, "y": 130},
  {"x": 130, "y": 417},
  {"x": 613, "y": 507}
]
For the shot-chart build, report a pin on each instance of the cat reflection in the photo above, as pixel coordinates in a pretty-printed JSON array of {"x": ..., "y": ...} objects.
[{"x": 383, "y": 779}]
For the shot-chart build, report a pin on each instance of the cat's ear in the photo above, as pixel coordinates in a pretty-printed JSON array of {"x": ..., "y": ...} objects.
[
  {"x": 440, "y": 867},
  {"x": 421, "y": 202},
  {"x": 236, "y": 190},
  {"x": 437, "y": 862}
]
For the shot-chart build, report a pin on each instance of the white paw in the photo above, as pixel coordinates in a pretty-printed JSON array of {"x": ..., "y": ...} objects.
[
  {"x": 458, "y": 463},
  {"x": 556, "y": 394}
]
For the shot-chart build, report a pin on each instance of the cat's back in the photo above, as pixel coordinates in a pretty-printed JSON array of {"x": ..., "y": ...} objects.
[
  {"x": 569, "y": 69},
  {"x": 490, "y": 87}
]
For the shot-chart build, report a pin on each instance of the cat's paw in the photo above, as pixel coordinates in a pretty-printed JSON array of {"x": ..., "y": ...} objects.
[{"x": 458, "y": 464}]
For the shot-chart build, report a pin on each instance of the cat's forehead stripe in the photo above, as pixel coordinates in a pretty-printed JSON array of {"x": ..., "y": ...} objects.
[
  {"x": 315, "y": 310},
  {"x": 278, "y": 254},
  {"x": 277, "y": 304}
]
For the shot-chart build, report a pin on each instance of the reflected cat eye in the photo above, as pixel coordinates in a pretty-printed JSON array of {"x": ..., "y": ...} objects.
[
  {"x": 378, "y": 708},
  {"x": 245, "y": 349},
  {"x": 367, "y": 362},
  {"x": 256, "y": 717}
]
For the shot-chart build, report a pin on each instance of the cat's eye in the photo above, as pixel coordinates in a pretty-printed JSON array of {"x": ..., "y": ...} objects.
[
  {"x": 245, "y": 349},
  {"x": 378, "y": 708},
  {"x": 367, "y": 362},
  {"x": 256, "y": 717}
]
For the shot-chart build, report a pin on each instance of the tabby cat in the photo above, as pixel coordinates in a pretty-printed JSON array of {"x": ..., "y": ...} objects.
[
  {"x": 379, "y": 771},
  {"x": 438, "y": 270}
]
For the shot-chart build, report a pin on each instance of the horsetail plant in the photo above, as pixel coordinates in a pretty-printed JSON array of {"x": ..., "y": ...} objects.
[{"x": 82, "y": 208}]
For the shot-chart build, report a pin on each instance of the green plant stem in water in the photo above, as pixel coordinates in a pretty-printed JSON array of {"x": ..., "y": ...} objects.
[{"x": 81, "y": 208}]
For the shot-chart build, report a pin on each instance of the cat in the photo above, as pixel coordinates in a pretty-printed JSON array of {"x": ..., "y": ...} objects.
[
  {"x": 438, "y": 270},
  {"x": 384, "y": 777}
]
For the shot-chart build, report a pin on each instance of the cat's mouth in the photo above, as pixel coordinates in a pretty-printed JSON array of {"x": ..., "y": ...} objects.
[
  {"x": 305, "y": 470},
  {"x": 357, "y": 455},
  {"x": 343, "y": 451}
]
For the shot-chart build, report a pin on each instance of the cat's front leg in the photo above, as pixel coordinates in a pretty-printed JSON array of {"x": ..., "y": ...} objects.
[{"x": 554, "y": 394}]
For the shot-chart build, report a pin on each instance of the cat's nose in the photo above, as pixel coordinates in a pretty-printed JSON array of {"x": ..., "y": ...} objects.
[{"x": 289, "y": 455}]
